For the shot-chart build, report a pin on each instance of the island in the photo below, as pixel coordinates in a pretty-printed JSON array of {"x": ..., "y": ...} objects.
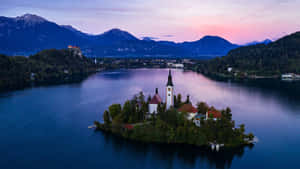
[{"x": 173, "y": 122}]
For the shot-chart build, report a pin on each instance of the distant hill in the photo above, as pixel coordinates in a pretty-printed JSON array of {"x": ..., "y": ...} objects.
[
  {"x": 266, "y": 41},
  {"x": 28, "y": 34},
  {"x": 46, "y": 67},
  {"x": 209, "y": 45},
  {"x": 281, "y": 56}
]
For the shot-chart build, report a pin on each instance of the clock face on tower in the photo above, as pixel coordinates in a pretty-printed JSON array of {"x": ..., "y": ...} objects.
[{"x": 169, "y": 89}]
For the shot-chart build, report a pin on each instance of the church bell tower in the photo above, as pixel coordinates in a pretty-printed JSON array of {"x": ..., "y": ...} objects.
[{"x": 169, "y": 92}]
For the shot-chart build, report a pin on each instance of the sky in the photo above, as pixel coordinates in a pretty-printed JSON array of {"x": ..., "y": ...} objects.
[{"x": 239, "y": 21}]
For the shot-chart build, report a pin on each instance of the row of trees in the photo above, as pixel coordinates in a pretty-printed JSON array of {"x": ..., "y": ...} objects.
[{"x": 133, "y": 111}]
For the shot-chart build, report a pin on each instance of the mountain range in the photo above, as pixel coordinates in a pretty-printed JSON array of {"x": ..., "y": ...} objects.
[
  {"x": 29, "y": 34},
  {"x": 266, "y": 41}
]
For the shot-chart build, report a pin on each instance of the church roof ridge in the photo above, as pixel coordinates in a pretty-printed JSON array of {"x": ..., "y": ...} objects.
[{"x": 170, "y": 82}]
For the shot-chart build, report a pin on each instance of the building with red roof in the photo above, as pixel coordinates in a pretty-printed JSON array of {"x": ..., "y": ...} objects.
[
  {"x": 213, "y": 114},
  {"x": 189, "y": 109},
  {"x": 128, "y": 126},
  {"x": 75, "y": 50},
  {"x": 153, "y": 104}
]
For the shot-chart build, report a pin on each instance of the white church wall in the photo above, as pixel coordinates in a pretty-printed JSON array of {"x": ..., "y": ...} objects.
[{"x": 153, "y": 108}]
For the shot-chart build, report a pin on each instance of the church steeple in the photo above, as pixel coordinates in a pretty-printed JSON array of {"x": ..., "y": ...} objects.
[
  {"x": 169, "y": 92},
  {"x": 170, "y": 82}
]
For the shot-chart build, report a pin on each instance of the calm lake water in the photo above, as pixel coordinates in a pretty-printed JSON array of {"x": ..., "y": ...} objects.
[{"x": 46, "y": 127}]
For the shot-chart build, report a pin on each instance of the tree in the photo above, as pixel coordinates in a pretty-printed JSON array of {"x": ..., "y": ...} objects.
[
  {"x": 227, "y": 114},
  {"x": 127, "y": 110},
  {"x": 161, "y": 108},
  {"x": 106, "y": 117},
  {"x": 143, "y": 111},
  {"x": 175, "y": 102},
  {"x": 187, "y": 99},
  {"x": 202, "y": 107},
  {"x": 250, "y": 136},
  {"x": 179, "y": 102},
  {"x": 141, "y": 97},
  {"x": 170, "y": 117},
  {"x": 148, "y": 99},
  {"x": 114, "y": 110}
]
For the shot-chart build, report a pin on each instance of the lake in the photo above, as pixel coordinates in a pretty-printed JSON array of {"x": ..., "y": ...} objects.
[{"x": 47, "y": 127}]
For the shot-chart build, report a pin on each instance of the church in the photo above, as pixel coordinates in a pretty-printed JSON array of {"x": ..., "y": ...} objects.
[
  {"x": 187, "y": 107},
  {"x": 156, "y": 99}
]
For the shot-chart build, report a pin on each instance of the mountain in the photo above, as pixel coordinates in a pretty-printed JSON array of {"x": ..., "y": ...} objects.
[
  {"x": 116, "y": 35},
  {"x": 31, "y": 33},
  {"x": 28, "y": 34},
  {"x": 266, "y": 41},
  {"x": 281, "y": 56},
  {"x": 209, "y": 45}
]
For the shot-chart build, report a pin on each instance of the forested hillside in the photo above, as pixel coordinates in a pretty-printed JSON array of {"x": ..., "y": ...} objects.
[
  {"x": 48, "y": 66},
  {"x": 281, "y": 56}
]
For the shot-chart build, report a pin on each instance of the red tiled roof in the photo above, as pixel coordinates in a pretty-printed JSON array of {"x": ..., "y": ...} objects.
[
  {"x": 156, "y": 99},
  {"x": 215, "y": 114},
  {"x": 188, "y": 108},
  {"x": 76, "y": 47},
  {"x": 128, "y": 126}
]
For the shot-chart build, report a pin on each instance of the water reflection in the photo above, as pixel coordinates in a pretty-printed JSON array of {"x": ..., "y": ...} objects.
[
  {"x": 285, "y": 93},
  {"x": 116, "y": 74},
  {"x": 191, "y": 156}
]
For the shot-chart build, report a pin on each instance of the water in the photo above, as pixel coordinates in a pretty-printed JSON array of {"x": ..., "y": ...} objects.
[{"x": 46, "y": 127}]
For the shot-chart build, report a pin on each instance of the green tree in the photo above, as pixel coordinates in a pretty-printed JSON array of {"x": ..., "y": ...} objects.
[
  {"x": 179, "y": 101},
  {"x": 141, "y": 97},
  {"x": 114, "y": 110},
  {"x": 127, "y": 110},
  {"x": 202, "y": 107},
  {"x": 106, "y": 117},
  {"x": 148, "y": 99},
  {"x": 175, "y": 102}
]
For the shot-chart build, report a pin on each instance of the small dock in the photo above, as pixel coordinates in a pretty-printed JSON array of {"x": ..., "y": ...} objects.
[{"x": 215, "y": 146}]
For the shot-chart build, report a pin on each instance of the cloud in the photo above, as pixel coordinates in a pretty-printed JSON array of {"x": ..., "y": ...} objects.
[{"x": 168, "y": 36}]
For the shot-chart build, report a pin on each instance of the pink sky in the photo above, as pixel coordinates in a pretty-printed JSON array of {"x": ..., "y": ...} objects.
[{"x": 239, "y": 21}]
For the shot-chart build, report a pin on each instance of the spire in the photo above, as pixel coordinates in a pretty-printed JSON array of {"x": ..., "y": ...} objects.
[
  {"x": 156, "y": 91},
  {"x": 170, "y": 83}
]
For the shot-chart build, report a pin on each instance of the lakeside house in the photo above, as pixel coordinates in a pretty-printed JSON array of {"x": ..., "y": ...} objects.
[
  {"x": 175, "y": 65},
  {"x": 290, "y": 76},
  {"x": 213, "y": 114},
  {"x": 197, "y": 119},
  {"x": 189, "y": 109},
  {"x": 76, "y": 50}
]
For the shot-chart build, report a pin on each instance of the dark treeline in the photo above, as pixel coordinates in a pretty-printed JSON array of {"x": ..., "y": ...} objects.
[
  {"x": 281, "y": 56},
  {"x": 45, "y": 67}
]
